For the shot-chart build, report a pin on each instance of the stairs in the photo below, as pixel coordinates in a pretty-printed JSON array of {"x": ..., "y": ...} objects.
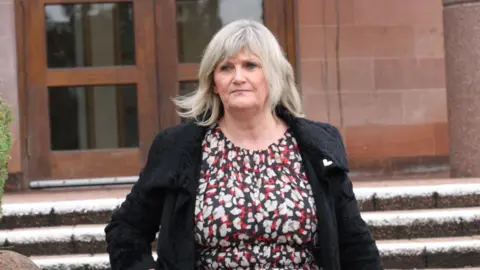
[{"x": 418, "y": 224}]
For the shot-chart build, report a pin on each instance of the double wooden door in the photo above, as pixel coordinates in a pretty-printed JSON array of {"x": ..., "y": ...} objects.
[{"x": 100, "y": 74}]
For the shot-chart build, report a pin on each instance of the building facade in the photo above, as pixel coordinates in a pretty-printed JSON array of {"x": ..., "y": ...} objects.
[{"x": 90, "y": 82}]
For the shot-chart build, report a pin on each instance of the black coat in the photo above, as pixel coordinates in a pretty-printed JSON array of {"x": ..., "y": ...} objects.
[{"x": 166, "y": 191}]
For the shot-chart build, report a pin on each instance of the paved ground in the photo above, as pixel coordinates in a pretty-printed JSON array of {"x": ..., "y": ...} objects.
[{"x": 66, "y": 194}]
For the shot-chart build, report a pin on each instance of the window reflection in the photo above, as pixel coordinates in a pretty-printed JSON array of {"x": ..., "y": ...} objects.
[
  {"x": 82, "y": 35},
  {"x": 199, "y": 20}
]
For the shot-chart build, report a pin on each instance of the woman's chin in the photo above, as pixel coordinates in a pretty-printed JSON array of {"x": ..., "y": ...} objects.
[{"x": 244, "y": 106}]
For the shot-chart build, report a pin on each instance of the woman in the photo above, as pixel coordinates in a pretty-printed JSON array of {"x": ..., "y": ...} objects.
[{"x": 248, "y": 183}]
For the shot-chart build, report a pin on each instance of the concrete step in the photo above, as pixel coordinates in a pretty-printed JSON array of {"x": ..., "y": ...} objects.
[
  {"x": 424, "y": 223},
  {"x": 449, "y": 252},
  {"x": 58, "y": 213},
  {"x": 444, "y": 253},
  {"x": 74, "y": 262},
  {"x": 76, "y": 239},
  {"x": 52, "y": 212},
  {"x": 429, "y": 195},
  {"x": 385, "y": 225}
]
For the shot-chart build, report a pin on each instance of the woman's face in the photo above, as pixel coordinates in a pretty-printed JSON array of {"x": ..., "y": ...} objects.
[{"x": 240, "y": 83}]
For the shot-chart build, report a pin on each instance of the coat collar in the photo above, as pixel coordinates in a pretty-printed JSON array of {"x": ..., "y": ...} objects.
[
  {"x": 181, "y": 148},
  {"x": 320, "y": 141}
]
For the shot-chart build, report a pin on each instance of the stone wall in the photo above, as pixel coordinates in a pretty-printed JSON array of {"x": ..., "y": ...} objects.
[{"x": 382, "y": 81}]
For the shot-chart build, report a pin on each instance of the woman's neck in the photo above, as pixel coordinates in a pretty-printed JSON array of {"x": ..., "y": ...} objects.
[{"x": 252, "y": 132}]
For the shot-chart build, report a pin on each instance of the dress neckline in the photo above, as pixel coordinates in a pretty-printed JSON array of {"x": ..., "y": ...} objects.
[{"x": 280, "y": 141}]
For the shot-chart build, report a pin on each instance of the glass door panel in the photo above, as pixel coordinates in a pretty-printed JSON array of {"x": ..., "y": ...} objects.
[
  {"x": 93, "y": 117},
  {"x": 198, "y": 21},
  {"x": 92, "y": 96},
  {"x": 89, "y": 35}
]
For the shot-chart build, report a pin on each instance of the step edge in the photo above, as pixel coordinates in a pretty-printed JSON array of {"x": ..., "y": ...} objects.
[
  {"x": 109, "y": 204},
  {"x": 416, "y": 246},
  {"x": 53, "y": 234},
  {"x": 61, "y": 207},
  {"x": 373, "y": 219},
  {"x": 457, "y": 189},
  {"x": 422, "y": 216},
  {"x": 97, "y": 232},
  {"x": 73, "y": 259},
  {"x": 407, "y": 248}
]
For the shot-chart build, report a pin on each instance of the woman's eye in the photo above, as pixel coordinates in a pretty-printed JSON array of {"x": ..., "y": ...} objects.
[
  {"x": 225, "y": 68},
  {"x": 251, "y": 65}
]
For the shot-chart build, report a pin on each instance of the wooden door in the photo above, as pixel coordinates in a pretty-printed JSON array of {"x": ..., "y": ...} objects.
[
  {"x": 101, "y": 74},
  {"x": 91, "y": 87}
]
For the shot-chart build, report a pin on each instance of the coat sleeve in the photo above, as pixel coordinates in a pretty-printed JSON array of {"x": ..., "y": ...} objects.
[
  {"x": 133, "y": 226},
  {"x": 358, "y": 249}
]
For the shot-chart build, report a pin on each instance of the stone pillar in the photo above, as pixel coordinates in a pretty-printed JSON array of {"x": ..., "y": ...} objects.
[
  {"x": 9, "y": 88},
  {"x": 462, "y": 60}
]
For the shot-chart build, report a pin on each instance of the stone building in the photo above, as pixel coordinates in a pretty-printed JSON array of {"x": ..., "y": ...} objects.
[{"x": 91, "y": 82}]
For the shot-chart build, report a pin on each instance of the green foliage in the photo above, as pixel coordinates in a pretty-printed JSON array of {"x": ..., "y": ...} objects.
[{"x": 5, "y": 142}]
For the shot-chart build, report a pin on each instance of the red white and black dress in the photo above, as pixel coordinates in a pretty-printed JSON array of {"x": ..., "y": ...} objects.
[{"x": 254, "y": 209}]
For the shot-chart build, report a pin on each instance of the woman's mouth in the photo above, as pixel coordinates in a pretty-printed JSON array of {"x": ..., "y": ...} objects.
[{"x": 239, "y": 91}]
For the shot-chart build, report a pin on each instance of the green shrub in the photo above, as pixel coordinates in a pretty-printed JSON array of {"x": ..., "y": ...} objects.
[{"x": 5, "y": 143}]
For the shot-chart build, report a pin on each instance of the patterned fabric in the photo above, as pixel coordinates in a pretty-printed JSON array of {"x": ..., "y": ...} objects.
[{"x": 254, "y": 209}]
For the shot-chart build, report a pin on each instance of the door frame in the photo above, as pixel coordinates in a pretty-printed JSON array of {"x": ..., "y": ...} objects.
[
  {"x": 280, "y": 17},
  {"x": 44, "y": 163}
]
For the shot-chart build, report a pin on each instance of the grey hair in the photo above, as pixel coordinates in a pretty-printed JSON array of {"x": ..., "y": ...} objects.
[{"x": 205, "y": 107}]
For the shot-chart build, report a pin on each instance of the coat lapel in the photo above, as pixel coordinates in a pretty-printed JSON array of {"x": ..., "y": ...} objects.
[{"x": 321, "y": 142}]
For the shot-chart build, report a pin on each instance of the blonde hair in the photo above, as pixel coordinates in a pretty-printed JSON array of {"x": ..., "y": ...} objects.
[{"x": 205, "y": 106}]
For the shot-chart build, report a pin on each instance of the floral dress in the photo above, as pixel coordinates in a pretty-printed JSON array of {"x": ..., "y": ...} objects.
[{"x": 254, "y": 209}]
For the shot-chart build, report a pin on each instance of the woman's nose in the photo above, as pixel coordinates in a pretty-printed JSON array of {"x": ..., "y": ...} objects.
[{"x": 239, "y": 76}]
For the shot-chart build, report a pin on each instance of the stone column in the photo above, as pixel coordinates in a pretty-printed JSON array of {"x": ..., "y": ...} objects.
[
  {"x": 9, "y": 89},
  {"x": 462, "y": 56}
]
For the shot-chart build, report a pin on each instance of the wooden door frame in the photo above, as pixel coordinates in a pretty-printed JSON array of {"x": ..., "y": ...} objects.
[
  {"x": 23, "y": 179},
  {"x": 43, "y": 162},
  {"x": 169, "y": 73}
]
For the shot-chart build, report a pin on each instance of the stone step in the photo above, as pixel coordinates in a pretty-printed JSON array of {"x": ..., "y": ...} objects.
[
  {"x": 384, "y": 224},
  {"x": 424, "y": 223},
  {"x": 449, "y": 252},
  {"x": 73, "y": 262},
  {"x": 371, "y": 198},
  {"x": 89, "y": 238},
  {"x": 445, "y": 253},
  {"x": 58, "y": 213},
  {"x": 428, "y": 195}
]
